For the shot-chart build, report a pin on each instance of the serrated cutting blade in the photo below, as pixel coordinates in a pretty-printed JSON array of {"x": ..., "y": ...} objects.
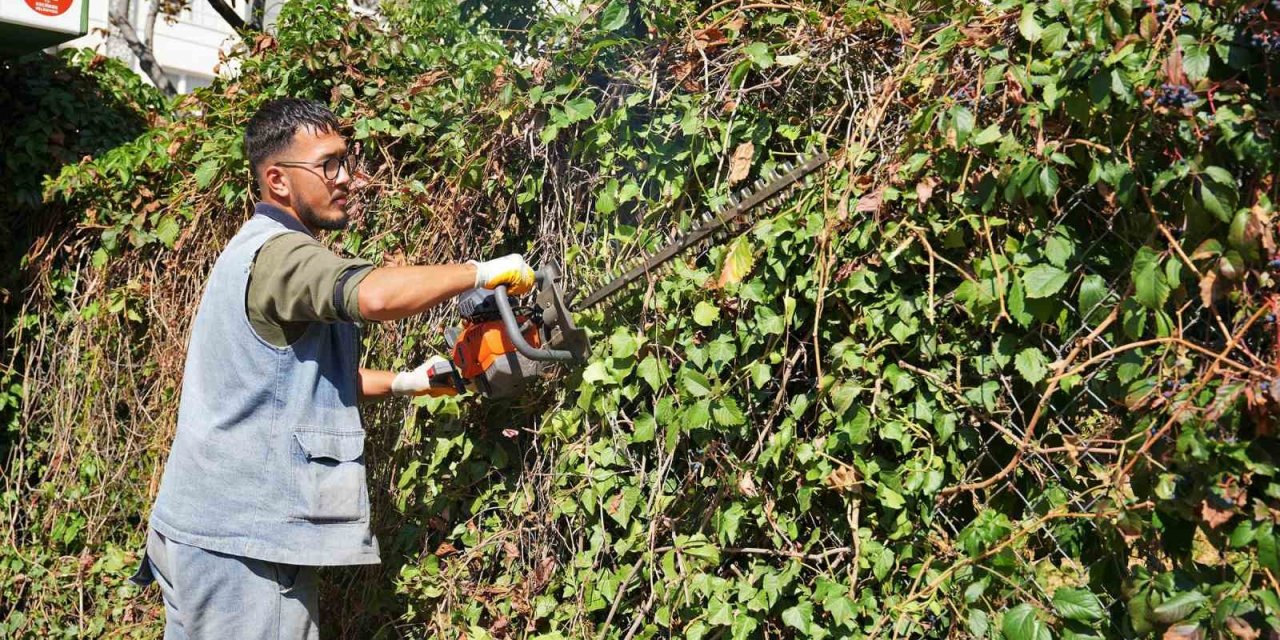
[{"x": 743, "y": 204}]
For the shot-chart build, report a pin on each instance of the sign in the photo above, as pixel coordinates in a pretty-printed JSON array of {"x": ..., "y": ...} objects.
[
  {"x": 31, "y": 25},
  {"x": 50, "y": 7}
]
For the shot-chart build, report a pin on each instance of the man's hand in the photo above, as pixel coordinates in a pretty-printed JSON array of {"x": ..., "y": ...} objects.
[
  {"x": 433, "y": 377},
  {"x": 509, "y": 270}
]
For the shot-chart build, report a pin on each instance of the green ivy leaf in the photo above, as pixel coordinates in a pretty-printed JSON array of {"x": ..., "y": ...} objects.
[
  {"x": 988, "y": 135},
  {"x": 623, "y": 344},
  {"x": 1195, "y": 62},
  {"x": 167, "y": 231},
  {"x": 653, "y": 372},
  {"x": 206, "y": 172},
  {"x": 889, "y": 498},
  {"x": 1093, "y": 292},
  {"x": 799, "y": 617},
  {"x": 705, "y": 313},
  {"x": 614, "y": 16},
  {"x": 1178, "y": 607},
  {"x": 1149, "y": 286},
  {"x": 841, "y": 609},
  {"x": 1048, "y": 181},
  {"x": 1058, "y": 250},
  {"x": 1213, "y": 204},
  {"x": 694, "y": 382},
  {"x": 1078, "y": 604},
  {"x": 579, "y": 109},
  {"x": 1027, "y": 25},
  {"x": 962, "y": 122},
  {"x": 1044, "y": 280},
  {"x": 595, "y": 373},
  {"x": 1021, "y": 623},
  {"x": 1031, "y": 364},
  {"x": 759, "y": 54}
]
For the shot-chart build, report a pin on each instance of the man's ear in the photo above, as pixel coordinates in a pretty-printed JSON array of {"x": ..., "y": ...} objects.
[{"x": 275, "y": 182}]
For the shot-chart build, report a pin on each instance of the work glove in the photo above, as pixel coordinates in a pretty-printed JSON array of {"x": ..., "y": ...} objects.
[
  {"x": 432, "y": 378},
  {"x": 509, "y": 270}
]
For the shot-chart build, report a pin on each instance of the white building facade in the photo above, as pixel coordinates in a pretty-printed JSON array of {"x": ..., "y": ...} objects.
[{"x": 188, "y": 49}]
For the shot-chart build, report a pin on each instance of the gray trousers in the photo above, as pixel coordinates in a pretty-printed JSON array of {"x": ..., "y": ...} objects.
[{"x": 215, "y": 595}]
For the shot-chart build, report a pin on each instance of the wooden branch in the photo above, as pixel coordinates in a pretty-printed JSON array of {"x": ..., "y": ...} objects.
[
  {"x": 146, "y": 59},
  {"x": 229, "y": 15}
]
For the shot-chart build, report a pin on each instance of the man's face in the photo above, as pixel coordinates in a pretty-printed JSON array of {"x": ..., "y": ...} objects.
[{"x": 319, "y": 200}]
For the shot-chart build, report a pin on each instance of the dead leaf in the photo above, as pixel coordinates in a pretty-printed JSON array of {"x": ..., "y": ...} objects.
[
  {"x": 924, "y": 189},
  {"x": 685, "y": 77},
  {"x": 900, "y": 23},
  {"x": 1208, "y": 288},
  {"x": 500, "y": 627},
  {"x": 542, "y": 574},
  {"x": 1213, "y": 514},
  {"x": 747, "y": 485},
  {"x": 1242, "y": 629},
  {"x": 870, "y": 202},
  {"x": 86, "y": 562},
  {"x": 263, "y": 43},
  {"x": 738, "y": 261},
  {"x": 740, "y": 163},
  {"x": 1173, "y": 67},
  {"x": 709, "y": 38},
  {"x": 512, "y": 551},
  {"x": 843, "y": 479},
  {"x": 425, "y": 81},
  {"x": 1184, "y": 632}
]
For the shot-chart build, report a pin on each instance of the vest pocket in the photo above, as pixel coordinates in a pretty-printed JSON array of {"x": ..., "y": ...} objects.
[{"x": 329, "y": 475}]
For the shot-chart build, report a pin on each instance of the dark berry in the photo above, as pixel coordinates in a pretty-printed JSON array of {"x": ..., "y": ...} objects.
[{"x": 1175, "y": 96}]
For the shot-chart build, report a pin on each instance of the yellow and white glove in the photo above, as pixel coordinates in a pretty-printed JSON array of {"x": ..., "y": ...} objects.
[
  {"x": 432, "y": 378},
  {"x": 509, "y": 270}
]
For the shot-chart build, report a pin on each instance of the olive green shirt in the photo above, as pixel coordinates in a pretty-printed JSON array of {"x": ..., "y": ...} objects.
[{"x": 295, "y": 281}]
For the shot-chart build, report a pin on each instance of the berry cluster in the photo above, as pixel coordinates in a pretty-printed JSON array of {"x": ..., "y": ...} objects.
[
  {"x": 1175, "y": 96},
  {"x": 1268, "y": 42},
  {"x": 1162, "y": 13}
]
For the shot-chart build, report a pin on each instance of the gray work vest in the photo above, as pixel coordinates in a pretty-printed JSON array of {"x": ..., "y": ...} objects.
[{"x": 268, "y": 458}]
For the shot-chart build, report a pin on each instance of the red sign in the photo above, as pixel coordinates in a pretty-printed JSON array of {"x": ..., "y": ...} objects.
[{"x": 50, "y": 7}]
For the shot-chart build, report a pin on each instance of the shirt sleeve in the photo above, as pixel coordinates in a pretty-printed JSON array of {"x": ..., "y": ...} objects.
[{"x": 296, "y": 279}]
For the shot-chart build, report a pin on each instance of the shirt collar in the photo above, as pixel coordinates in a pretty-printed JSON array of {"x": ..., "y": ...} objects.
[{"x": 280, "y": 215}]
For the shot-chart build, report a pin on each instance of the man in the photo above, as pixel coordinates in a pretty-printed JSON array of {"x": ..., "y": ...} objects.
[{"x": 266, "y": 478}]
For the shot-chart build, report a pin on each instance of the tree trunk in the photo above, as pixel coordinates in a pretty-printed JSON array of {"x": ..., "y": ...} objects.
[
  {"x": 118, "y": 17},
  {"x": 257, "y": 14},
  {"x": 152, "y": 14}
]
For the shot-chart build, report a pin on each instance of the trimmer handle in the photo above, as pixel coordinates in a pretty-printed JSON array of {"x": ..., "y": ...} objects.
[{"x": 512, "y": 327}]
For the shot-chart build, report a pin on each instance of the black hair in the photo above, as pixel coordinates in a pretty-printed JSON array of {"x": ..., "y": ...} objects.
[{"x": 271, "y": 129}]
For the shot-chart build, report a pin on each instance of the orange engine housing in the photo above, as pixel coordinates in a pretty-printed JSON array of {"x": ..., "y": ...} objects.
[{"x": 481, "y": 345}]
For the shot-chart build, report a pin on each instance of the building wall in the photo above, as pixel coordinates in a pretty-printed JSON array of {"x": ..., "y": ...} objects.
[{"x": 188, "y": 49}]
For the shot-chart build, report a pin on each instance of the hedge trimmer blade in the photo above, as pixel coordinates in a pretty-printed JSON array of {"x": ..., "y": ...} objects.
[{"x": 745, "y": 201}]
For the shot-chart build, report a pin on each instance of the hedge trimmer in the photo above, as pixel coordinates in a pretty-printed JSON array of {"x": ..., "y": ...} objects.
[{"x": 500, "y": 346}]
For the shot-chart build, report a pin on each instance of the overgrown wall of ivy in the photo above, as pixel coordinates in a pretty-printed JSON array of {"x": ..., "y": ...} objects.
[{"x": 1005, "y": 368}]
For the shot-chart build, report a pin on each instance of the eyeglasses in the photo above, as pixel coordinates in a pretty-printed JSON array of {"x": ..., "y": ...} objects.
[{"x": 331, "y": 166}]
